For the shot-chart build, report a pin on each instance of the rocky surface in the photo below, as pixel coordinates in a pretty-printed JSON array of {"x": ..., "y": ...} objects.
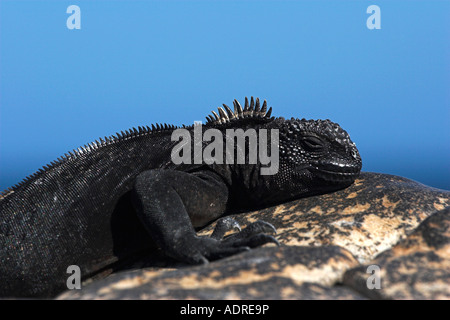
[
  {"x": 328, "y": 242},
  {"x": 416, "y": 268},
  {"x": 288, "y": 272}
]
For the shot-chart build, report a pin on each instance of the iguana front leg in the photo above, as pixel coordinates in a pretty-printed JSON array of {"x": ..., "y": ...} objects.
[{"x": 171, "y": 203}]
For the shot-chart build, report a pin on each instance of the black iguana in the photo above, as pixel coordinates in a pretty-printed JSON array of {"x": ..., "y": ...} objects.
[{"x": 116, "y": 196}]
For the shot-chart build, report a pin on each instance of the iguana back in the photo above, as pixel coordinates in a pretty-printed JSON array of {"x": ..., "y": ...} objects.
[{"x": 67, "y": 213}]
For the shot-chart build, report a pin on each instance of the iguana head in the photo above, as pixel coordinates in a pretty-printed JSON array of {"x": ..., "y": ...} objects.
[
  {"x": 318, "y": 154},
  {"x": 315, "y": 156}
]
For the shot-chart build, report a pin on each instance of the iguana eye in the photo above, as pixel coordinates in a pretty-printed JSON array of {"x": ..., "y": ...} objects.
[{"x": 312, "y": 143}]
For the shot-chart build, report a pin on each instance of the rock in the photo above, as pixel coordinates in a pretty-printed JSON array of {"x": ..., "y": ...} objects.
[
  {"x": 323, "y": 237},
  {"x": 288, "y": 272},
  {"x": 416, "y": 268}
]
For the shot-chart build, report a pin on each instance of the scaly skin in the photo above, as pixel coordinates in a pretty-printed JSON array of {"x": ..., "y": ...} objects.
[{"x": 121, "y": 195}]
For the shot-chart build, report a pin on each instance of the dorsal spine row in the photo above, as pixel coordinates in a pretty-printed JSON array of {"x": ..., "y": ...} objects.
[{"x": 250, "y": 110}]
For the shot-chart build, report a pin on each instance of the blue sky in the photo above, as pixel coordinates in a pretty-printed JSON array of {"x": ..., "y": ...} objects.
[{"x": 140, "y": 62}]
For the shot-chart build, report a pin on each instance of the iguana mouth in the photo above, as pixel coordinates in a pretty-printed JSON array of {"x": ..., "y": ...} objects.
[{"x": 336, "y": 173}]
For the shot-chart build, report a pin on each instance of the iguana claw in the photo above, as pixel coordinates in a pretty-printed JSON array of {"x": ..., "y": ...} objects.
[{"x": 223, "y": 226}]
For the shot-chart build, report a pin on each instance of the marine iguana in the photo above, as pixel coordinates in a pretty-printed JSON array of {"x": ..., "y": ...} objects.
[{"x": 123, "y": 194}]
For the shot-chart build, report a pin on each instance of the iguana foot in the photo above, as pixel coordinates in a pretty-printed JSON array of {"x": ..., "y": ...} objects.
[
  {"x": 204, "y": 249},
  {"x": 254, "y": 235},
  {"x": 258, "y": 228},
  {"x": 226, "y": 224}
]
